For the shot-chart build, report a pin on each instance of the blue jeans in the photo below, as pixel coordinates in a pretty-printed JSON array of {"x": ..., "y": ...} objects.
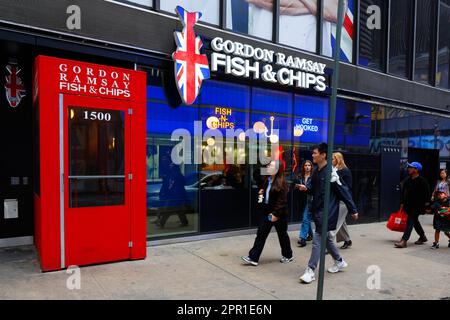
[{"x": 306, "y": 229}]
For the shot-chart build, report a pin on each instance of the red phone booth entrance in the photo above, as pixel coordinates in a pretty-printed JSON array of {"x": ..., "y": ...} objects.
[{"x": 90, "y": 174}]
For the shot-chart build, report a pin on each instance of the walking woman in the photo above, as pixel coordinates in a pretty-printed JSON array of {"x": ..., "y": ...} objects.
[
  {"x": 305, "y": 179},
  {"x": 345, "y": 175},
  {"x": 273, "y": 197},
  {"x": 442, "y": 184}
]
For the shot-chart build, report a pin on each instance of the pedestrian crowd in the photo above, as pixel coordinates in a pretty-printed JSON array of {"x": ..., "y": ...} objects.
[{"x": 272, "y": 198}]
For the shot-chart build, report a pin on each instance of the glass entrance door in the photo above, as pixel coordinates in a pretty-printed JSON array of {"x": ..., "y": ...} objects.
[{"x": 97, "y": 180}]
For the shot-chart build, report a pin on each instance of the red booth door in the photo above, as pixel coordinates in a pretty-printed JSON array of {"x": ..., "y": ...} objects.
[{"x": 97, "y": 180}]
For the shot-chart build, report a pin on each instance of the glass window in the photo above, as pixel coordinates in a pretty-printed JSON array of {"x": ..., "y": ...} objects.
[
  {"x": 96, "y": 157},
  {"x": 210, "y": 9},
  {"x": 172, "y": 189},
  {"x": 329, "y": 30},
  {"x": 298, "y": 25},
  {"x": 442, "y": 76},
  {"x": 310, "y": 119},
  {"x": 372, "y": 35},
  {"x": 249, "y": 18},
  {"x": 144, "y": 3},
  {"x": 400, "y": 37},
  {"x": 353, "y": 125},
  {"x": 424, "y": 34}
]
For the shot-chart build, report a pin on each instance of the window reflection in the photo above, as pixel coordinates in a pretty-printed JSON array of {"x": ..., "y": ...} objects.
[
  {"x": 424, "y": 34},
  {"x": 372, "y": 37},
  {"x": 250, "y": 18},
  {"x": 210, "y": 9},
  {"x": 400, "y": 37},
  {"x": 442, "y": 76},
  {"x": 96, "y": 157}
]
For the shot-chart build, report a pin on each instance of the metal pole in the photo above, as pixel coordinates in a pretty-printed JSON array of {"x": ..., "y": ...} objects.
[{"x": 332, "y": 118}]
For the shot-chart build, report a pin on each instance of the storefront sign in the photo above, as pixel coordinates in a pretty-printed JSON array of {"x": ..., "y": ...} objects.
[
  {"x": 93, "y": 80},
  {"x": 242, "y": 60},
  {"x": 191, "y": 67},
  {"x": 220, "y": 119},
  {"x": 14, "y": 87},
  {"x": 305, "y": 125}
]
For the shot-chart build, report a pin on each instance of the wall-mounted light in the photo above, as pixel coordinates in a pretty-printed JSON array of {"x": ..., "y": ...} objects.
[
  {"x": 212, "y": 122},
  {"x": 210, "y": 141}
]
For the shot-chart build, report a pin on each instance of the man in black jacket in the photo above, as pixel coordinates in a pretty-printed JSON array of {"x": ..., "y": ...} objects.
[
  {"x": 338, "y": 192},
  {"x": 415, "y": 196}
]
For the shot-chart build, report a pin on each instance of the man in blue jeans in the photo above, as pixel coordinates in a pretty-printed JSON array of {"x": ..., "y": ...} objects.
[{"x": 338, "y": 192}]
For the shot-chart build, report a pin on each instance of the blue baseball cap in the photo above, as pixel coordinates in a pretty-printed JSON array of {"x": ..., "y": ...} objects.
[{"x": 415, "y": 165}]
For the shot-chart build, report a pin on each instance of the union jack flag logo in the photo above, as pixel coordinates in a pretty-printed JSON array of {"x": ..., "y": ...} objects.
[
  {"x": 14, "y": 87},
  {"x": 191, "y": 67}
]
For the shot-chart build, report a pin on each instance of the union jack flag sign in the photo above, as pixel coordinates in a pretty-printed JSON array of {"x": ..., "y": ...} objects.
[
  {"x": 14, "y": 87},
  {"x": 191, "y": 67}
]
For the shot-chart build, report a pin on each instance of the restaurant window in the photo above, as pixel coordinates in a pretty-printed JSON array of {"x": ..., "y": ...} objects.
[
  {"x": 400, "y": 41},
  {"x": 298, "y": 25},
  {"x": 210, "y": 9},
  {"x": 442, "y": 76},
  {"x": 172, "y": 187},
  {"x": 253, "y": 19},
  {"x": 224, "y": 193},
  {"x": 373, "y": 34},
  {"x": 426, "y": 15},
  {"x": 329, "y": 29}
]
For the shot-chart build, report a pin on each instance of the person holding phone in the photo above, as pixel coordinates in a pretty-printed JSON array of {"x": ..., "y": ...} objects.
[{"x": 273, "y": 197}]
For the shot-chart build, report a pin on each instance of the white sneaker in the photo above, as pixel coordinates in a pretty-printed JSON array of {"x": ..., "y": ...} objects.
[
  {"x": 338, "y": 266},
  {"x": 249, "y": 261},
  {"x": 308, "y": 276}
]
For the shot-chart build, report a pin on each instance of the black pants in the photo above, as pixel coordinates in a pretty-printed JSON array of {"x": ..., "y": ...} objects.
[
  {"x": 413, "y": 222},
  {"x": 263, "y": 231}
]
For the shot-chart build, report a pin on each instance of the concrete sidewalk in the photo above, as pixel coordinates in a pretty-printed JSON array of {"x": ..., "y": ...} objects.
[{"x": 212, "y": 269}]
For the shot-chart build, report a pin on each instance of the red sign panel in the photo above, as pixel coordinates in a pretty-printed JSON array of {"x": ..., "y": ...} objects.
[{"x": 91, "y": 203}]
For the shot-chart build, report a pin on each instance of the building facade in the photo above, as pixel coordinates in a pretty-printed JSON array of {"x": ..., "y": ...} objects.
[{"x": 393, "y": 99}]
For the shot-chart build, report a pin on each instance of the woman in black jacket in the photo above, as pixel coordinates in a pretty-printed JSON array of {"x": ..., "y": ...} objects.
[{"x": 273, "y": 197}]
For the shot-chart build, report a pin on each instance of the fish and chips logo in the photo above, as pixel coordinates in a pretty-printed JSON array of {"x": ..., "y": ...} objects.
[{"x": 191, "y": 67}]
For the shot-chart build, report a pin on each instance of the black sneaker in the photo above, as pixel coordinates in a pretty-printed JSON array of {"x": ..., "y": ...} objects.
[
  {"x": 301, "y": 242},
  {"x": 347, "y": 244},
  {"x": 310, "y": 237},
  {"x": 435, "y": 246},
  {"x": 286, "y": 260},
  {"x": 249, "y": 261}
]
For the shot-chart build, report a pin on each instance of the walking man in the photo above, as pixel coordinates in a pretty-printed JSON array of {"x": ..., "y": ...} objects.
[
  {"x": 338, "y": 192},
  {"x": 415, "y": 196}
]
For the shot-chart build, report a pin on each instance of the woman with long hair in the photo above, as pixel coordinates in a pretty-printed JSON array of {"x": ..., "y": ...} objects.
[
  {"x": 273, "y": 197},
  {"x": 345, "y": 175},
  {"x": 304, "y": 178},
  {"x": 443, "y": 184}
]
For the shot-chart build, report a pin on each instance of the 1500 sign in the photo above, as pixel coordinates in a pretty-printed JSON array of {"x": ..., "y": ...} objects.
[{"x": 94, "y": 115}]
